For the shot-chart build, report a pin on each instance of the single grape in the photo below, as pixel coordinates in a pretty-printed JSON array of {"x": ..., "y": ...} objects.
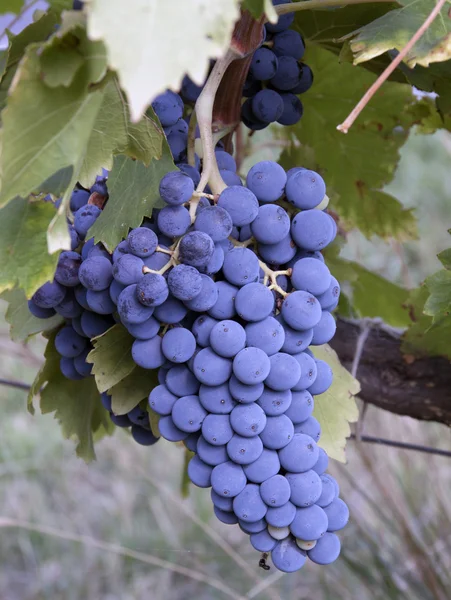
[
  {"x": 180, "y": 381},
  {"x": 281, "y": 516},
  {"x": 190, "y": 90},
  {"x": 147, "y": 353},
  {"x": 288, "y": 74},
  {"x": 337, "y": 514},
  {"x": 324, "y": 331},
  {"x": 168, "y": 108},
  {"x": 326, "y": 551},
  {"x": 191, "y": 171},
  {"x": 267, "y": 179},
  {"x": 244, "y": 450},
  {"x": 96, "y": 273},
  {"x": 68, "y": 343},
  {"x": 308, "y": 371},
  {"x": 144, "y": 331},
  {"x": 306, "y": 80},
  {"x": 188, "y": 414},
  {"x": 202, "y": 328},
  {"x": 224, "y": 308},
  {"x": 331, "y": 295},
  {"x": 284, "y": 373},
  {"x": 142, "y": 242},
  {"x": 100, "y": 302},
  {"x": 278, "y": 432},
  {"x": 287, "y": 557},
  {"x": 79, "y": 198},
  {"x": 322, "y": 463},
  {"x": 241, "y": 266},
  {"x": 230, "y": 178},
  {"x": 216, "y": 429},
  {"x": 152, "y": 289},
  {"x": 178, "y": 345},
  {"x": 106, "y": 401},
  {"x": 121, "y": 249},
  {"x": 184, "y": 282},
  {"x": 196, "y": 248},
  {"x": 227, "y": 338},
  {"x": 69, "y": 308},
  {"x": 254, "y": 302},
  {"x": 245, "y": 393},
  {"x": 312, "y": 229},
  {"x": 130, "y": 309},
  {"x": 216, "y": 399},
  {"x": 67, "y": 367},
  {"x": 178, "y": 146},
  {"x": 279, "y": 253},
  {"x": 40, "y": 313},
  {"x": 211, "y": 369},
  {"x": 225, "y": 160},
  {"x": 120, "y": 420},
  {"x": 170, "y": 432},
  {"x": 288, "y": 43},
  {"x": 267, "y": 106},
  {"x": 191, "y": 441},
  {"x": 274, "y": 402},
  {"x": 284, "y": 21},
  {"x": 176, "y": 187},
  {"x": 301, "y": 310},
  {"x": 172, "y": 311},
  {"x": 311, "y": 275},
  {"x": 264, "y": 64},
  {"x": 94, "y": 325},
  {"x": 174, "y": 221},
  {"x": 128, "y": 269},
  {"x": 74, "y": 239},
  {"x": 248, "y": 504},
  {"x": 221, "y": 502},
  {"x": 211, "y": 455},
  {"x": 296, "y": 341},
  {"x": 227, "y": 517},
  {"x": 247, "y": 114},
  {"x": 143, "y": 436},
  {"x": 305, "y": 189},
  {"x": 67, "y": 269},
  {"x": 328, "y": 493},
  {"x": 228, "y": 479},
  {"x": 215, "y": 221},
  {"x": 139, "y": 416},
  {"x": 49, "y": 295},
  {"x": 97, "y": 250},
  {"x": 84, "y": 218},
  {"x": 271, "y": 225},
  {"x": 265, "y": 466},
  {"x": 215, "y": 263},
  {"x": 305, "y": 488},
  {"x": 310, "y": 427},
  {"x": 275, "y": 491},
  {"x": 262, "y": 541},
  {"x": 240, "y": 203},
  {"x": 248, "y": 420},
  {"x": 324, "y": 377},
  {"x": 251, "y": 366},
  {"x": 300, "y": 455},
  {"x": 253, "y": 527}
]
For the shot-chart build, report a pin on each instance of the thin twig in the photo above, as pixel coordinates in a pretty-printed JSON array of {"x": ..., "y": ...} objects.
[
  {"x": 403, "y": 445},
  {"x": 121, "y": 551},
  {"x": 21, "y": 385},
  {"x": 282, "y": 9},
  {"x": 347, "y": 123}
]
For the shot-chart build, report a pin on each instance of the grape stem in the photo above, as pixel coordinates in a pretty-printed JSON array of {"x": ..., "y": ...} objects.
[
  {"x": 192, "y": 139},
  {"x": 164, "y": 250},
  {"x": 204, "y": 112},
  {"x": 283, "y": 9},
  {"x": 348, "y": 122},
  {"x": 271, "y": 278}
]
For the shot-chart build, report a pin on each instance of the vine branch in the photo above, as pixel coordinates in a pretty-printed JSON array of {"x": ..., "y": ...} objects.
[
  {"x": 369, "y": 439},
  {"x": 347, "y": 123}
]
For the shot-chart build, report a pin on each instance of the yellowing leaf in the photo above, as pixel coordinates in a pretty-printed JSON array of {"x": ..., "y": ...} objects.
[
  {"x": 170, "y": 39},
  {"x": 336, "y": 408}
]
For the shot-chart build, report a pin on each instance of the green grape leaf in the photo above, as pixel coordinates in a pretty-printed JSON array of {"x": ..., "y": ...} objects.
[
  {"x": 259, "y": 7},
  {"x": 423, "y": 337},
  {"x": 202, "y": 28},
  {"x": 44, "y": 129},
  {"x": 76, "y": 404},
  {"x": 445, "y": 258},
  {"x": 438, "y": 305},
  {"x": 336, "y": 408},
  {"x": 11, "y": 6},
  {"x": 129, "y": 392},
  {"x": 112, "y": 357},
  {"x": 68, "y": 49},
  {"x": 133, "y": 189},
  {"x": 22, "y": 323},
  {"x": 357, "y": 165},
  {"x": 23, "y": 245},
  {"x": 3, "y": 62},
  {"x": 114, "y": 133},
  {"x": 394, "y": 29},
  {"x": 370, "y": 295}
]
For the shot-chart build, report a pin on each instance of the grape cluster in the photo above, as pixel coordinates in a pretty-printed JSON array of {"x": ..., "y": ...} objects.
[
  {"x": 223, "y": 295},
  {"x": 276, "y": 77}
]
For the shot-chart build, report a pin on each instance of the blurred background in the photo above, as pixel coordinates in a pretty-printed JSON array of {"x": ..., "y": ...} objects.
[{"x": 119, "y": 529}]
